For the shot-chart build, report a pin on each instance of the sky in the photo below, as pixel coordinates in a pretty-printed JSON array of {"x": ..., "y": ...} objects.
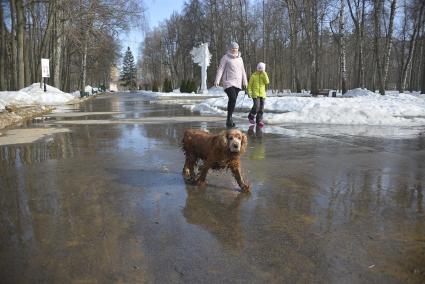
[{"x": 157, "y": 12}]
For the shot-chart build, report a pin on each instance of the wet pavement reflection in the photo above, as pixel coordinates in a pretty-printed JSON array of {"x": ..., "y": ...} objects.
[{"x": 107, "y": 203}]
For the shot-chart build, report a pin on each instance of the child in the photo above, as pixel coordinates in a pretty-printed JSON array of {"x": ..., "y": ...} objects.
[{"x": 257, "y": 91}]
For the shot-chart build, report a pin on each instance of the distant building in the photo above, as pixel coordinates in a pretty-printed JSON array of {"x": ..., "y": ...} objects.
[
  {"x": 113, "y": 86},
  {"x": 115, "y": 73},
  {"x": 114, "y": 83}
]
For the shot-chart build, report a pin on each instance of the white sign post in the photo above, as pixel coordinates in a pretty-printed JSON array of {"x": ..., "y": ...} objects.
[
  {"x": 45, "y": 70},
  {"x": 202, "y": 57}
]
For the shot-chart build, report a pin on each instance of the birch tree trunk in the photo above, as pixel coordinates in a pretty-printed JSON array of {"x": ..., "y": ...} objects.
[
  {"x": 88, "y": 21},
  {"x": 423, "y": 68},
  {"x": 2, "y": 51},
  {"x": 27, "y": 65},
  {"x": 342, "y": 43},
  {"x": 264, "y": 31},
  {"x": 20, "y": 34},
  {"x": 377, "y": 34},
  {"x": 58, "y": 45},
  {"x": 295, "y": 82},
  {"x": 389, "y": 43},
  {"x": 359, "y": 22},
  {"x": 413, "y": 40},
  {"x": 83, "y": 71},
  {"x": 315, "y": 30},
  {"x": 14, "y": 77},
  {"x": 361, "y": 47}
]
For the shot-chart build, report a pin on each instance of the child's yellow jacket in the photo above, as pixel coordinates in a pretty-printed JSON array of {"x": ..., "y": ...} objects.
[{"x": 257, "y": 84}]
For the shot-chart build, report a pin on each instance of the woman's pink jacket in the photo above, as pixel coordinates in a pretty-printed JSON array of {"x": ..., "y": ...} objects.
[{"x": 231, "y": 71}]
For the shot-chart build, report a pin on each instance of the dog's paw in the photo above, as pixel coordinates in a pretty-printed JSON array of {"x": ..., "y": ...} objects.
[
  {"x": 190, "y": 180},
  {"x": 246, "y": 188},
  {"x": 201, "y": 182}
]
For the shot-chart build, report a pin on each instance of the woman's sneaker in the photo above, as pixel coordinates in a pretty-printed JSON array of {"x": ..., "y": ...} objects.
[
  {"x": 260, "y": 124},
  {"x": 251, "y": 119}
]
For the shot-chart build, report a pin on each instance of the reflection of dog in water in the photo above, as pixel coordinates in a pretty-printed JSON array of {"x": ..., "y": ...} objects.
[
  {"x": 217, "y": 151},
  {"x": 216, "y": 213}
]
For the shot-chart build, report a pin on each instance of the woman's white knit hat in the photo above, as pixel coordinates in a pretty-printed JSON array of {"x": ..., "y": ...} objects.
[
  {"x": 233, "y": 44},
  {"x": 261, "y": 66}
]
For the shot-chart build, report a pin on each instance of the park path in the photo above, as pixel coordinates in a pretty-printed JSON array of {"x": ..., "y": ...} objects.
[{"x": 102, "y": 200}]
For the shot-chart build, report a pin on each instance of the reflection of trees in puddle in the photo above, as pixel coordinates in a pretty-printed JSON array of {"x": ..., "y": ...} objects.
[
  {"x": 64, "y": 229},
  {"x": 27, "y": 154},
  {"x": 217, "y": 212},
  {"x": 373, "y": 194},
  {"x": 376, "y": 207},
  {"x": 173, "y": 133},
  {"x": 81, "y": 141}
]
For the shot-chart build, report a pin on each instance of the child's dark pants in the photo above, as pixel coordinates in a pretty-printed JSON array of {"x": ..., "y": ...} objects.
[{"x": 257, "y": 109}]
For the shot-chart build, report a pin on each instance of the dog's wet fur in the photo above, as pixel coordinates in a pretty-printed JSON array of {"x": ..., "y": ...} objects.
[{"x": 217, "y": 151}]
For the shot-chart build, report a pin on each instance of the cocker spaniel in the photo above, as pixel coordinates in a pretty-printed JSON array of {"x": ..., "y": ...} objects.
[{"x": 217, "y": 151}]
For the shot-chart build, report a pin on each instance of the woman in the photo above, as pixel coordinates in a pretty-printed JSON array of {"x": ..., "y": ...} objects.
[{"x": 232, "y": 71}]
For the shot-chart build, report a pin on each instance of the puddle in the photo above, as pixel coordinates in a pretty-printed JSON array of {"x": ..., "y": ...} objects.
[
  {"x": 146, "y": 120},
  {"x": 109, "y": 203},
  {"x": 78, "y": 114},
  {"x": 28, "y": 135}
]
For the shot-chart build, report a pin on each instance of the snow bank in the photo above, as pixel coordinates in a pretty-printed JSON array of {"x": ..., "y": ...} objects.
[
  {"x": 360, "y": 93},
  {"x": 88, "y": 89},
  {"x": 76, "y": 94},
  {"x": 34, "y": 95},
  {"x": 177, "y": 93},
  {"x": 362, "y": 107},
  {"x": 216, "y": 91}
]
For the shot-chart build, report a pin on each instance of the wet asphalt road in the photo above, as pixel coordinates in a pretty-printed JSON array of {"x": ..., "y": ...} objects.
[{"x": 106, "y": 203}]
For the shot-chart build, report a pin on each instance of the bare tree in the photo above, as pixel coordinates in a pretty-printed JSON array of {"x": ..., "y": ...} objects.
[
  {"x": 382, "y": 66},
  {"x": 293, "y": 16},
  {"x": 2, "y": 51},
  {"x": 417, "y": 11},
  {"x": 294, "y": 40},
  {"x": 358, "y": 17},
  {"x": 62, "y": 31},
  {"x": 343, "y": 69},
  {"x": 20, "y": 34},
  {"x": 13, "y": 62}
]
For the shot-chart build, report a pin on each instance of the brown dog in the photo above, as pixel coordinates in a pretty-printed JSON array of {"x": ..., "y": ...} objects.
[{"x": 217, "y": 151}]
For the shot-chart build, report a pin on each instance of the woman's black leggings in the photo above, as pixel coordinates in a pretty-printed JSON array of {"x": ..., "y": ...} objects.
[{"x": 232, "y": 94}]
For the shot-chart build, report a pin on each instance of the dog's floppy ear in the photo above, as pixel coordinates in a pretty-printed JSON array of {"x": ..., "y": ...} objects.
[
  {"x": 222, "y": 139},
  {"x": 244, "y": 143}
]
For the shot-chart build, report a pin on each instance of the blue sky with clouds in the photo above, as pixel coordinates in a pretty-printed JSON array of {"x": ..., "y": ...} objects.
[{"x": 157, "y": 12}]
